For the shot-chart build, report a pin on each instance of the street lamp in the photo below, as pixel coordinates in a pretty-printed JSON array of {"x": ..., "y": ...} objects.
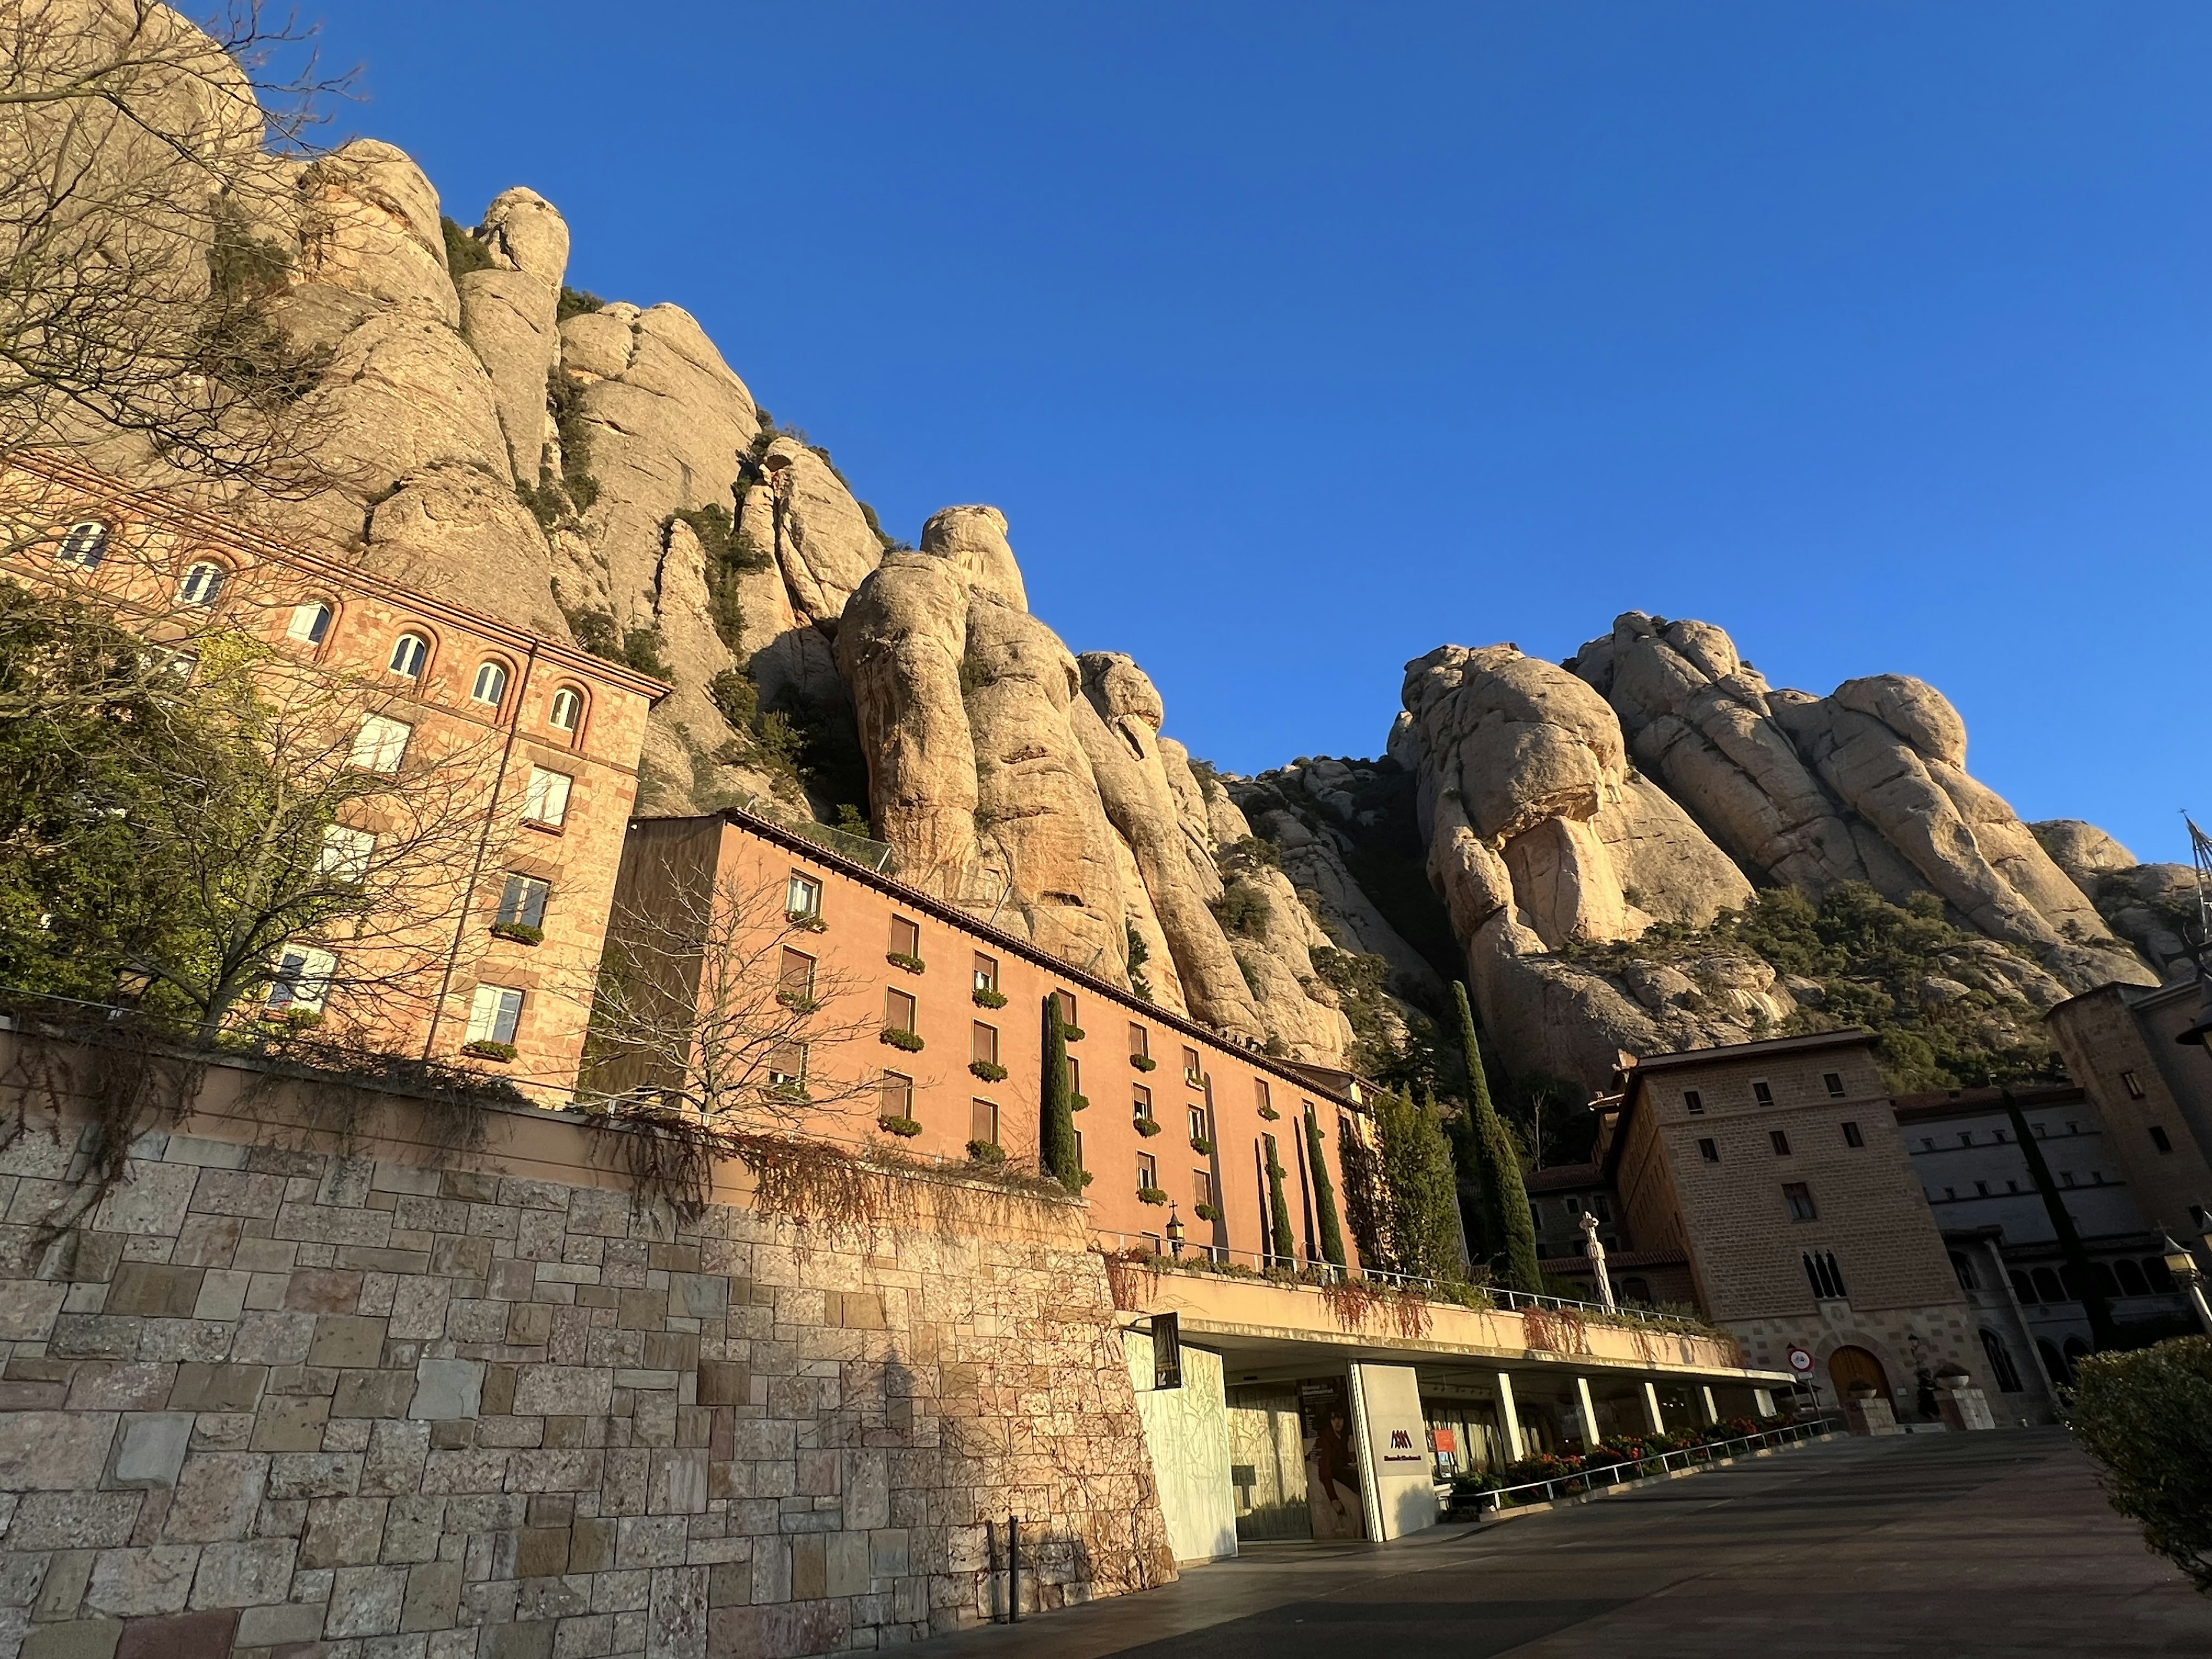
[
  {"x": 1174, "y": 1233},
  {"x": 2183, "y": 1266},
  {"x": 1596, "y": 1252}
]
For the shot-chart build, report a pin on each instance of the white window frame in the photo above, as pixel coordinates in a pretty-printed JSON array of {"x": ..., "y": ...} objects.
[
  {"x": 301, "y": 978},
  {"x": 494, "y": 1014},
  {"x": 417, "y": 661},
  {"x": 543, "y": 895},
  {"x": 546, "y": 797},
  {"x": 346, "y": 853},
  {"x": 498, "y": 689},
  {"x": 310, "y": 622},
  {"x": 802, "y": 894},
  {"x": 84, "y": 544},
  {"x": 570, "y": 698},
  {"x": 380, "y": 744},
  {"x": 202, "y": 582}
]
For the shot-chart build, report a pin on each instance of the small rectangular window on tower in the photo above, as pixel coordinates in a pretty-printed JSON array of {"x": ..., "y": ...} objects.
[
  {"x": 1763, "y": 1092},
  {"x": 1710, "y": 1152},
  {"x": 1799, "y": 1197},
  {"x": 1851, "y": 1135},
  {"x": 2159, "y": 1138},
  {"x": 1692, "y": 1101},
  {"x": 1781, "y": 1142},
  {"x": 1834, "y": 1080},
  {"x": 2132, "y": 1085}
]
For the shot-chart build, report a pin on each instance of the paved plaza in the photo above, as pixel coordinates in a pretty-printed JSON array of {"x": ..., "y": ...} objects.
[{"x": 1926, "y": 1545}]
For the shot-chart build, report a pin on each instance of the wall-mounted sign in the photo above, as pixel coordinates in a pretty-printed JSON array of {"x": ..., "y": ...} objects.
[{"x": 1167, "y": 1351}]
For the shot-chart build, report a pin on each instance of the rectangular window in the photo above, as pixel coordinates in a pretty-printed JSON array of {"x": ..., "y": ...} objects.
[
  {"x": 1079, "y": 1163},
  {"x": 1835, "y": 1082},
  {"x": 1201, "y": 1186},
  {"x": 983, "y": 1121},
  {"x": 546, "y": 800},
  {"x": 1708, "y": 1151},
  {"x": 794, "y": 976},
  {"x": 983, "y": 1043},
  {"x": 1191, "y": 1072},
  {"x": 522, "y": 901},
  {"x": 906, "y": 939},
  {"x": 2066, "y": 1177},
  {"x": 2129, "y": 1082},
  {"x": 1074, "y": 1075},
  {"x": 802, "y": 896},
  {"x": 787, "y": 1066},
  {"x": 1780, "y": 1143},
  {"x": 2159, "y": 1138},
  {"x": 1140, "y": 1042},
  {"x": 1143, "y": 1103},
  {"x": 1851, "y": 1135},
  {"x": 895, "y": 1096},
  {"x": 381, "y": 744},
  {"x": 1965, "y": 1137},
  {"x": 302, "y": 978},
  {"x": 898, "y": 1011},
  {"x": 1198, "y": 1123},
  {"x": 1981, "y": 1188},
  {"x": 1066, "y": 1001},
  {"x": 1266, "y": 1106},
  {"x": 494, "y": 1013},
  {"x": 346, "y": 853},
  {"x": 1148, "y": 1173},
  {"x": 986, "y": 972},
  {"x": 1799, "y": 1197},
  {"x": 1692, "y": 1101},
  {"x": 1762, "y": 1092}
]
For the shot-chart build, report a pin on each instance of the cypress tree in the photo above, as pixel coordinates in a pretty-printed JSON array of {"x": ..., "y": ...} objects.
[
  {"x": 1419, "y": 1188},
  {"x": 1504, "y": 1195},
  {"x": 1332, "y": 1234},
  {"x": 1279, "y": 1210},
  {"x": 1057, "y": 1119}
]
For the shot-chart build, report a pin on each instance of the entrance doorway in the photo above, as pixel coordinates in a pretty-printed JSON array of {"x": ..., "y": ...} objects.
[{"x": 1849, "y": 1366}]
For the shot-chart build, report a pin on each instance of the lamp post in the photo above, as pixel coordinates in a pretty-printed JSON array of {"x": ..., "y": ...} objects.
[
  {"x": 1174, "y": 1233},
  {"x": 1596, "y": 1252},
  {"x": 2186, "y": 1273}
]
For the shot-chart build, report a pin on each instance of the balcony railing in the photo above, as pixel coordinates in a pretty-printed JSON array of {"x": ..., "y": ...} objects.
[{"x": 1596, "y": 1476}]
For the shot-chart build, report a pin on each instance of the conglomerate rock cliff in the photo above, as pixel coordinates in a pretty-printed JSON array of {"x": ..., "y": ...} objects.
[{"x": 598, "y": 472}]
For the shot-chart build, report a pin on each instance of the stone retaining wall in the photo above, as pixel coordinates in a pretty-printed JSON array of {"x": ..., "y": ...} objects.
[{"x": 271, "y": 1398}]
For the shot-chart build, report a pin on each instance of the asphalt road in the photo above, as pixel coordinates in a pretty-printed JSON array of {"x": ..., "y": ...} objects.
[{"x": 1925, "y": 1545}]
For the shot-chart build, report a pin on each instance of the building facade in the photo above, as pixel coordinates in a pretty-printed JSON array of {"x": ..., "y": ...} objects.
[
  {"x": 512, "y": 762},
  {"x": 931, "y": 1034},
  {"x": 1777, "y": 1170},
  {"x": 2153, "y": 1094}
]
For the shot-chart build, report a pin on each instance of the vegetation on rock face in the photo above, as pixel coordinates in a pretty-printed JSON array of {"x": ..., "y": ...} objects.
[
  {"x": 575, "y": 301},
  {"x": 2146, "y": 1417},
  {"x": 1943, "y": 1004},
  {"x": 463, "y": 253}
]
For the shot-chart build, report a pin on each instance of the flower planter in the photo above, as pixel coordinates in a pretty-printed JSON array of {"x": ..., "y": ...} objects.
[
  {"x": 904, "y": 1127},
  {"x": 990, "y": 999},
  {"x": 986, "y": 1070},
  {"x": 488, "y": 1050},
  {"x": 1147, "y": 1127},
  {"x": 898, "y": 1038},
  {"x": 912, "y": 964},
  {"x": 521, "y": 932}
]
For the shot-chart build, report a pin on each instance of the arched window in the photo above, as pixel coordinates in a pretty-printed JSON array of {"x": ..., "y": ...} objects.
[
  {"x": 490, "y": 684},
  {"x": 2001, "y": 1366},
  {"x": 2052, "y": 1361},
  {"x": 2130, "y": 1278},
  {"x": 567, "y": 708},
  {"x": 310, "y": 621},
  {"x": 2023, "y": 1286},
  {"x": 1637, "y": 1290},
  {"x": 408, "y": 653},
  {"x": 2047, "y": 1287},
  {"x": 203, "y": 583},
  {"x": 2101, "y": 1280},
  {"x": 83, "y": 544}
]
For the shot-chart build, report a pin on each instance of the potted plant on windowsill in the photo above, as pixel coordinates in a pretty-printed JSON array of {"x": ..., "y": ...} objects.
[
  {"x": 810, "y": 920},
  {"x": 1206, "y": 1212},
  {"x": 1070, "y": 1033},
  {"x": 485, "y": 1049},
  {"x": 900, "y": 959},
  {"x": 986, "y": 1152},
  {"x": 899, "y": 1037},
  {"x": 989, "y": 1070},
  {"x": 905, "y": 1127},
  {"x": 1269, "y": 1113},
  {"x": 1147, "y": 1127},
  {"x": 1077, "y": 1102},
  {"x": 1150, "y": 1195},
  {"x": 1201, "y": 1146},
  {"x": 521, "y": 932},
  {"x": 1144, "y": 1062},
  {"x": 987, "y": 998}
]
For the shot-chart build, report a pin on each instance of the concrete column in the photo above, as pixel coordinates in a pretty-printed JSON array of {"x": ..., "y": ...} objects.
[
  {"x": 1652, "y": 1415},
  {"x": 1591, "y": 1436},
  {"x": 1510, "y": 1419},
  {"x": 1705, "y": 1397},
  {"x": 1762, "y": 1401}
]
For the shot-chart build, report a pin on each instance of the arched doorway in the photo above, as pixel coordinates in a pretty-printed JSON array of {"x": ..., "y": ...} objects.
[{"x": 1849, "y": 1366}]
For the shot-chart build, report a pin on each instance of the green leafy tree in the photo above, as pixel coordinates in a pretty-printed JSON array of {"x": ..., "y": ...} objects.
[
  {"x": 1419, "y": 1188},
  {"x": 1504, "y": 1197},
  {"x": 1285, "y": 1245},
  {"x": 1058, "y": 1116},
  {"x": 1332, "y": 1234},
  {"x": 2147, "y": 1416}
]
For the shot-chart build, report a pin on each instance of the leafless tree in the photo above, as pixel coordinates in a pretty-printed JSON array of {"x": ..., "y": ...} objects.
[
  {"x": 148, "y": 168},
  {"x": 711, "y": 1005}
]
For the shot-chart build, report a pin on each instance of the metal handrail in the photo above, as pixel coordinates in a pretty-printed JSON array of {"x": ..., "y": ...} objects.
[
  {"x": 1194, "y": 1255},
  {"x": 1493, "y": 1497}
]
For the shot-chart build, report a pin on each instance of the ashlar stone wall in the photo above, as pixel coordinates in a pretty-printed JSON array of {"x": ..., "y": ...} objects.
[{"x": 366, "y": 1407}]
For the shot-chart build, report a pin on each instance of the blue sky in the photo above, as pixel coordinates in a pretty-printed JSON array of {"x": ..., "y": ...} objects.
[{"x": 1295, "y": 340}]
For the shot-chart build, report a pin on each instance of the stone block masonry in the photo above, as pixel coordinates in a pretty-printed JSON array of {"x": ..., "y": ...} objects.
[{"x": 281, "y": 1399}]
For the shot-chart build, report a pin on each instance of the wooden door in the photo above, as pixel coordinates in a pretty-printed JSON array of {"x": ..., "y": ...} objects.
[{"x": 1849, "y": 1366}]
